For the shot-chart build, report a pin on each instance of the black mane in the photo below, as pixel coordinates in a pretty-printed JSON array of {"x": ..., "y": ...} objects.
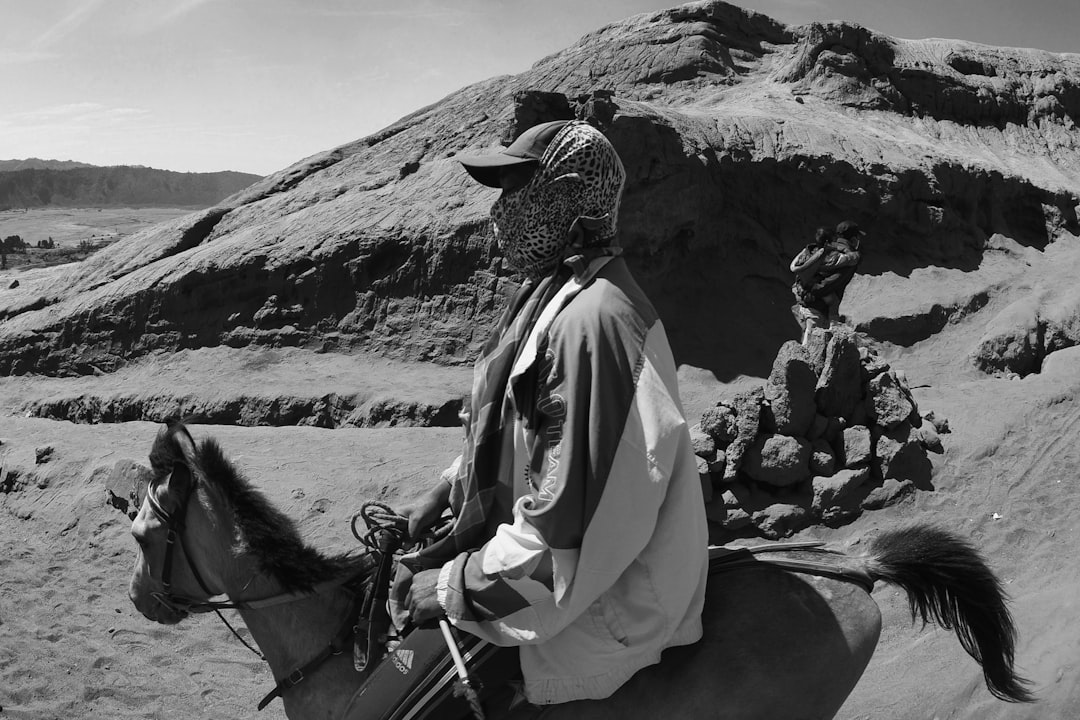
[{"x": 265, "y": 531}]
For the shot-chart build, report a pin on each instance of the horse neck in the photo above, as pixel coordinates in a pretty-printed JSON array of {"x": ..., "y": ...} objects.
[{"x": 290, "y": 634}]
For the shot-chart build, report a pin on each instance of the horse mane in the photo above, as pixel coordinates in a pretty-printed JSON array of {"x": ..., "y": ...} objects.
[{"x": 266, "y": 532}]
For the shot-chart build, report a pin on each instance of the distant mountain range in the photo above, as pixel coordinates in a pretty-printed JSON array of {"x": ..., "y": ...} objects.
[
  {"x": 66, "y": 183},
  {"x": 39, "y": 164}
]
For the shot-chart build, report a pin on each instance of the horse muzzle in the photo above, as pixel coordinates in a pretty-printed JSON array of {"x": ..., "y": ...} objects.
[
  {"x": 170, "y": 608},
  {"x": 160, "y": 607}
]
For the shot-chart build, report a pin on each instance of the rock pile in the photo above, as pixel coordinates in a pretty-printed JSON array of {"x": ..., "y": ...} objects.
[{"x": 833, "y": 431}]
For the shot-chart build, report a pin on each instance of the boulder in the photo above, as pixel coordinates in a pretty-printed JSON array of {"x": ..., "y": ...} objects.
[
  {"x": 1012, "y": 341},
  {"x": 835, "y": 497},
  {"x": 886, "y": 401},
  {"x": 781, "y": 520},
  {"x": 43, "y": 454},
  {"x": 889, "y": 492},
  {"x": 728, "y": 506},
  {"x": 817, "y": 346},
  {"x": 899, "y": 455},
  {"x": 704, "y": 445},
  {"x": 790, "y": 391},
  {"x": 1042, "y": 322},
  {"x": 822, "y": 458},
  {"x": 736, "y": 519},
  {"x": 840, "y": 388},
  {"x": 928, "y": 437},
  {"x": 857, "y": 447},
  {"x": 872, "y": 367},
  {"x": 778, "y": 460},
  {"x": 702, "y": 466},
  {"x": 747, "y": 406},
  {"x": 737, "y": 493},
  {"x": 12, "y": 480},
  {"x": 124, "y": 486},
  {"x": 940, "y": 424},
  {"x": 720, "y": 424}
]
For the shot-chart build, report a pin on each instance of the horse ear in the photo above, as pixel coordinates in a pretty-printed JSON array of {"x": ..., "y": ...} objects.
[
  {"x": 185, "y": 443},
  {"x": 180, "y": 478}
]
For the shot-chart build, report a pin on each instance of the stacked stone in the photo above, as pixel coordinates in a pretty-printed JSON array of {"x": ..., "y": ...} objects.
[{"x": 833, "y": 432}]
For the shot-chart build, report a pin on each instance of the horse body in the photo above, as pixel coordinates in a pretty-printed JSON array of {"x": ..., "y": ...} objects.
[{"x": 777, "y": 644}]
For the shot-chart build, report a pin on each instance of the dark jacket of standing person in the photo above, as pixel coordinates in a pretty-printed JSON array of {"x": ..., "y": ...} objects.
[{"x": 835, "y": 260}]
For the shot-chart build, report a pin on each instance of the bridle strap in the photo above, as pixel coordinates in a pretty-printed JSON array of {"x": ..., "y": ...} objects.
[
  {"x": 336, "y": 646},
  {"x": 175, "y": 527}
]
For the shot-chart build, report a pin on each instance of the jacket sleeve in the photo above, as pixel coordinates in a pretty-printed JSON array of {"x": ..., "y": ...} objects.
[
  {"x": 807, "y": 255},
  {"x": 572, "y": 535},
  {"x": 837, "y": 260}
]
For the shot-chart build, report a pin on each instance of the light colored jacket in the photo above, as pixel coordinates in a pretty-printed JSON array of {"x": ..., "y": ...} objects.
[{"x": 599, "y": 562}]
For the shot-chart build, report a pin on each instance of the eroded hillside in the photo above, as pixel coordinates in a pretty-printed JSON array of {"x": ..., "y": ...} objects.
[{"x": 740, "y": 135}]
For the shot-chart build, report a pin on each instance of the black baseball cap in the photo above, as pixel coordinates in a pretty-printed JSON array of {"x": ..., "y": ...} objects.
[
  {"x": 528, "y": 148},
  {"x": 848, "y": 229}
]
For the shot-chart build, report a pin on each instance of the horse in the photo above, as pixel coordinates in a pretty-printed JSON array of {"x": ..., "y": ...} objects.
[{"x": 787, "y": 640}]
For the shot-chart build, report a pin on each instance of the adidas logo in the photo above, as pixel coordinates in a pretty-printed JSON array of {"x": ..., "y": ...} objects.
[{"x": 403, "y": 661}]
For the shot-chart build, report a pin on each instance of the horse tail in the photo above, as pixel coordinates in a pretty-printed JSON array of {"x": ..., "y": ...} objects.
[{"x": 948, "y": 581}]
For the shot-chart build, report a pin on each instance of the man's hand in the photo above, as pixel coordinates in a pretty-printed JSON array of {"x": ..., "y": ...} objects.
[
  {"x": 421, "y": 600},
  {"x": 425, "y": 510}
]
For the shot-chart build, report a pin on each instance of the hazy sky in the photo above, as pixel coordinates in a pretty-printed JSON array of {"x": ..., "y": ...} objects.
[{"x": 254, "y": 85}]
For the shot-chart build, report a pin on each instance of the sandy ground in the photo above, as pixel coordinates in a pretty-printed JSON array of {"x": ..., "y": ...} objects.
[
  {"x": 72, "y": 646},
  {"x": 67, "y": 226}
]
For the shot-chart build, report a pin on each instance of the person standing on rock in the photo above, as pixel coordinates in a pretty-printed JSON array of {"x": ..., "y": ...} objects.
[
  {"x": 822, "y": 271},
  {"x": 579, "y": 528}
]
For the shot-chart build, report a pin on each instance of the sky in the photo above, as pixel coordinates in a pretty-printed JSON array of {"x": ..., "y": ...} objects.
[{"x": 255, "y": 85}]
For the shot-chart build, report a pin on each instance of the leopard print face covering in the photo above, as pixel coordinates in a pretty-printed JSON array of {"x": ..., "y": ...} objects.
[{"x": 579, "y": 176}]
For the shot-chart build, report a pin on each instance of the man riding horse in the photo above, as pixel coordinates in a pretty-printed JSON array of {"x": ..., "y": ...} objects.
[
  {"x": 579, "y": 528},
  {"x": 578, "y": 535}
]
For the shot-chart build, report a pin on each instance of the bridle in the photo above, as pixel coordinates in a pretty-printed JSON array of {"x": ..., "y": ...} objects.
[
  {"x": 175, "y": 526},
  {"x": 182, "y": 605}
]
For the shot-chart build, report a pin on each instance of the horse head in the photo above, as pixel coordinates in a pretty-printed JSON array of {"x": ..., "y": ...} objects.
[
  {"x": 204, "y": 530},
  {"x": 175, "y": 533}
]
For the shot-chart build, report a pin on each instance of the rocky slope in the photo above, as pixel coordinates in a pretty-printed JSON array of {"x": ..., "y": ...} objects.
[{"x": 740, "y": 135}]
